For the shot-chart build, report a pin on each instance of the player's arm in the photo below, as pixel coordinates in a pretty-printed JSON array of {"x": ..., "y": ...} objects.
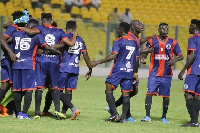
[
  {"x": 87, "y": 61},
  {"x": 107, "y": 59},
  {"x": 7, "y": 48},
  {"x": 177, "y": 58},
  {"x": 135, "y": 76},
  {"x": 59, "y": 45},
  {"x": 49, "y": 48},
  {"x": 5, "y": 26},
  {"x": 29, "y": 31},
  {"x": 146, "y": 50},
  {"x": 70, "y": 42},
  {"x": 143, "y": 40},
  {"x": 189, "y": 62}
]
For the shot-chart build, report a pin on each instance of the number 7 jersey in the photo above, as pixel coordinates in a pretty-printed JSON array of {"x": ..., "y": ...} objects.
[{"x": 127, "y": 50}]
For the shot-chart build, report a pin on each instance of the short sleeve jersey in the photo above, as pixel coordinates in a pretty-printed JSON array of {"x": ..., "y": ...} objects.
[
  {"x": 52, "y": 36},
  {"x": 127, "y": 50},
  {"x": 9, "y": 32},
  {"x": 71, "y": 55},
  {"x": 194, "y": 44},
  {"x": 161, "y": 55},
  {"x": 25, "y": 49}
]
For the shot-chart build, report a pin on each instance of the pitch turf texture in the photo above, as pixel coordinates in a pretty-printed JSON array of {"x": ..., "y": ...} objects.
[{"x": 90, "y": 99}]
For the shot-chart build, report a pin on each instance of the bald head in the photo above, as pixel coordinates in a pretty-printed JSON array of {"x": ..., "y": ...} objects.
[
  {"x": 134, "y": 22},
  {"x": 136, "y": 26}
]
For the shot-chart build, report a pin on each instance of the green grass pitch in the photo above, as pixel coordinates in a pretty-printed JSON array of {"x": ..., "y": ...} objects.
[{"x": 90, "y": 99}]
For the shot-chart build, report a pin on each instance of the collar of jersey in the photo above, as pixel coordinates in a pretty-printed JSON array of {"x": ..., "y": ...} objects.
[
  {"x": 161, "y": 41},
  {"x": 49, "y": 26}
]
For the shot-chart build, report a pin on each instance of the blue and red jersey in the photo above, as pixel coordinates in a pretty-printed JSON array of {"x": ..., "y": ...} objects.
[
  {"x": 52, "y": 36},
  {"x": 71, "y": 55},
  {"x": 194, "y": 44},
  {"x": 25, "y": 49},
  {"x": 162, "y": 54},
  {"x": 9, "y": 32},
  {"x": 134, "y": 37},
  {"x": 126, "y": 49}
]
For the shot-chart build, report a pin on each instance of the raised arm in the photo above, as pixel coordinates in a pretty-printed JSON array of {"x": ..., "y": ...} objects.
[
  {"x": 49, "y": 48},
  {"x": 5, "y": 26},
  {"x": 145, "y": 39},
  {"x": 59, "y": 45},
  {"x": 29, "y": 31},
  {"x": 70, "y": 42}
]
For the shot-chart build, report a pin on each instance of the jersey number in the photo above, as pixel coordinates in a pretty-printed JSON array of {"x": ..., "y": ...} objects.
[
  {"x": 23, "y": 44},
  {"x": 132, "y": 49}
]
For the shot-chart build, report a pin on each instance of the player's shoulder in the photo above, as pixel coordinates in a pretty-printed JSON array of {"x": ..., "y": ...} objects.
[
  {"x": 195, "y": 36},
  {"x": 124, "y": 38},
  {"x": 172, "y": 40},
  {"x": 12, "y": 27}
]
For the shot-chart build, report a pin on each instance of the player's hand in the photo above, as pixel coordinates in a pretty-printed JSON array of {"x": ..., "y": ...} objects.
[
  {"x": 20, "y": 28},
  {"x": 171, "y": 62},
  {"x": 148, "y": 49},
  {"x": 94, "y": 63},
  {"x": 40, "y": 51},
  {"x": 143, "y": 60},
  {"x": 135, "y": 78},
  {"x": 88, "y": 74},
  {"x": 153, "y": 35},
  {"x": 74, "y": 33},
  {"x": 13, "y": 56},
  {"x": 180, "y": 76}
]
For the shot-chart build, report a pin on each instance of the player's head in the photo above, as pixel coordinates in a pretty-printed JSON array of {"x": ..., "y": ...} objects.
[
  {"x": 32, "y": 23},
  {"x": 115, "y": 9},
  {"x": 194, "y": 26},
  {"x": 123, "y": 28},
  {"x": 136, "y": 25},
  {"x": 54, "y": 24},
  {"x": 17, "y": 15},
  {"x": 71, "y": 26},
  {"x": 163, "y": 29},
  {"x": 46, "y": 18}
]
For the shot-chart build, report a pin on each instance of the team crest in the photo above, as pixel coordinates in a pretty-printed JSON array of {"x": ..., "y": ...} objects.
[
  {"x": 168, "y": 46},
  {"x": 185, "y": 86}
]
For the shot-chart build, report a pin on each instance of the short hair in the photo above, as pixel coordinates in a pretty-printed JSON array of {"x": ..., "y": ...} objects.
[
  {"x": 46, "y": 17},
  {"x": 125, "y": 26},
  {"x": 71, "y": 25},
  {"x": 163, "y": 24},
  {"x": 32, "y": 23},
  {"x": 17, "y": 15},
  {"x": 54, "y": 24},
  {"x": 196, "y": 22}
]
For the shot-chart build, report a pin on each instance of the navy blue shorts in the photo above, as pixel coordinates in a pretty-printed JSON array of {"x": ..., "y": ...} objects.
[
  {"x": 6, "y": 71},
  {"x": 24, "y": 80},
  {"x": 67, "y": 81},
  {"x": 192, "y": 84},
  {"x": 125, "y": 84},
  {"x": 47, "y": 72},
  {"x": 159, "y": 86}
]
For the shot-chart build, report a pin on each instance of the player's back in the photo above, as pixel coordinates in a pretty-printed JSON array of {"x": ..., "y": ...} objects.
[
  {"x": 71, "y": 55},
  {"x": 25, "y": 49},
  {"x": 127, "y": 49},
  {"x": 134, "y": 37},
  {"x": 194, "y": 44}
]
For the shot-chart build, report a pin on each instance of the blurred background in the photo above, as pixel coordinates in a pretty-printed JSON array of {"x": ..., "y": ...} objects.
[{"x": 97, "y": 19}]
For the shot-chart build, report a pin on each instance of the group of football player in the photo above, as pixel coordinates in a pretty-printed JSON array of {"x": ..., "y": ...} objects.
[{"x": 43, "y": 56}]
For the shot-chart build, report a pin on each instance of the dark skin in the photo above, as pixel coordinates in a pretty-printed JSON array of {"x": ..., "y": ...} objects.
[{"x": 192, "y": 30}]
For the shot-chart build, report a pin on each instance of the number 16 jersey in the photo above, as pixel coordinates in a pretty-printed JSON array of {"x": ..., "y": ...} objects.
[{"x": 127, "y": 50}]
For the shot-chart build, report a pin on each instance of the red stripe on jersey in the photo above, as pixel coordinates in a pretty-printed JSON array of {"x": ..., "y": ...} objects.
[
  {"x": 172, "y": 49},
  {"x": 152, "y": 62},
  {"x": 189, "y": 70},
  {"x": 84, "y": 50},
  {"x": 64, "y": 38},
  {"x": 37, "y": 30},
  {"x": 7, "y": 35},
  {"x": 43, "y": 44},
  {"x": 15, "y": 26},
  {"x": 113, "y": 52},
  {"x": 161, "y": 66},
  {"x": 150, "y": 41},
  {"x": 33, "y": 56}
]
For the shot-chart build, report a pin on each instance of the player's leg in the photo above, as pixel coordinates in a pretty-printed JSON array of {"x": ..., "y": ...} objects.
[
  {"x": 72, "y": 80},
  {"x": 196, "y": 109},
  {"x": 48, "y": 101},
  {"x": 28, "y": 85},
  {"x": 164, "y": 91},
  {"x": 152, "y": 85},
  {"x": 41, "y": 75}
]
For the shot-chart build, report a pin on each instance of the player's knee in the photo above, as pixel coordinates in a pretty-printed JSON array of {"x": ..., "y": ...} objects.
[
  {"x": 196, "y": 97},
  {"x": 68, "y": 91},
  {"x": 125, "y": 94},
  {"x": 5, "y": 86},
  {"x": 188, "y": 95}
]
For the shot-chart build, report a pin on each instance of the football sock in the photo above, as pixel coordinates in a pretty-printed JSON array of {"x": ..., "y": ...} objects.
[
  {"x": 48, "y": 101},
  {"x": 38, "y": 99},
  {"x": 165, "y": 107},
  {"x": 56, "y": 99},
  {"x": 27, "y": 101},
  {"x": 11, "y": 106},
  {"x": 119, "y": 101},
  {"x": 189, "y": 105},
  {"x": 126, "y": 106},
  {"x": 128, "y": 114},
  {"x": 196, "y": 106},
  {"x": 148, "y": 102},
  {"x": 2, "y": 94},
  {"x": 17, "y": 100},
  {"x": 65, "y": 107},
  {"x": 111, "y": 103},
  {"x": 65, "y": 99}
]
